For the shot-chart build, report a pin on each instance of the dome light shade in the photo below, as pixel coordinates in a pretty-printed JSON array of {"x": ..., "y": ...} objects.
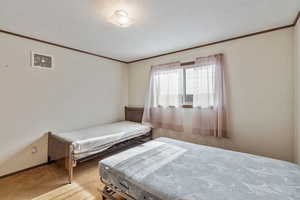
[{"x": 121, "y": 18}]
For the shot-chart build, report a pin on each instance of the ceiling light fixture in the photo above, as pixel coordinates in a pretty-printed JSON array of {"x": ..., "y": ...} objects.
[{"x": 121, "y": 18}]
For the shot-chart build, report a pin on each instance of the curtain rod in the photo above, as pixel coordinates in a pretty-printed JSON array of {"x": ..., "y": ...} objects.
[
  {"x": 193, "y": 62},
  {"x": 188, "y": 63}
]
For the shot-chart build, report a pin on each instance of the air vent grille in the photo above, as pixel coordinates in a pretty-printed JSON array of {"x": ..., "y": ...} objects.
[{"x": 42, "y": 61}]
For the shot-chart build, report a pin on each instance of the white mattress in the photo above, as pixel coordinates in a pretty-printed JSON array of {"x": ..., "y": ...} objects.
[
  {"x": 167, "y": 169},
  {"x": 102, "y": 137}
]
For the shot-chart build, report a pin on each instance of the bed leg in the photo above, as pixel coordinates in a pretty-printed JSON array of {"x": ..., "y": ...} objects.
[
  {"x": 70, "y": 174},
  {"x": 70, "y": 164}
]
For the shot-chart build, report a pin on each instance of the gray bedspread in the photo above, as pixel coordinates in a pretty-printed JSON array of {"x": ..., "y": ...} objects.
[{"x": 166, "y": 169}]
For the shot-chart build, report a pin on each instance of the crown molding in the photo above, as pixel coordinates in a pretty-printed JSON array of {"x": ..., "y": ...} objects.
[
  {"x": 59, "y": 45},
  {"x": 221, "y": 41},
  {"x": 214, "y": 43},
  {"x": 172, "y": 52},
  {"x": 296, "y": 19}
]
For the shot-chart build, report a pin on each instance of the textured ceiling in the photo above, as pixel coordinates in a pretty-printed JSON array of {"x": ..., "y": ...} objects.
[{"x": 161, "y": 26}]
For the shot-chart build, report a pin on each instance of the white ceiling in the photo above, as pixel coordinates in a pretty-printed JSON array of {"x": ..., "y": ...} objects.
[{"x": 160, "y": 26}]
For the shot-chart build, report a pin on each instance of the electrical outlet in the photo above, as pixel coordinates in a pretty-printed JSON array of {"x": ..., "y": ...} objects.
[{"x": 34, "y": 150}]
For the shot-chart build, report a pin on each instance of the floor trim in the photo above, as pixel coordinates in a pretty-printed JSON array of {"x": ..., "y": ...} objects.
[{"x": 26, "y": 169}]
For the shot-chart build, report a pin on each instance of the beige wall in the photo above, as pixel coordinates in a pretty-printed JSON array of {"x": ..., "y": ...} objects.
[
  {"x": 80, "y": 91},
  {"x": 260, "y": 76},
  {"x": 297, "y": 92},
  {"x": 84, "y": 90}
]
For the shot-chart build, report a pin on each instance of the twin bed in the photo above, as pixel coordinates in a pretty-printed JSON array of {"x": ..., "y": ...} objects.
[
  {"x": 167, "y": 169},
  {"x": 83, "y": 144}
]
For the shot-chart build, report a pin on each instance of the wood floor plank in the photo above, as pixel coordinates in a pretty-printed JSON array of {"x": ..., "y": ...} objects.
[{"x": 49, "y": 182}]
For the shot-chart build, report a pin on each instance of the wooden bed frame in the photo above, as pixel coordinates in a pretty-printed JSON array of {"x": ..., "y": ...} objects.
[{"x": 62, "y": 150}]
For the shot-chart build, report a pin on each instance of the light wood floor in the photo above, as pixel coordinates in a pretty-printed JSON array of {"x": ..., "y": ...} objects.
[{"x": 48, "y": 182}]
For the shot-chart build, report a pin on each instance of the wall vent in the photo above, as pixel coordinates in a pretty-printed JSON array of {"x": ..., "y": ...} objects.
[{"x": 41, "y": 60}]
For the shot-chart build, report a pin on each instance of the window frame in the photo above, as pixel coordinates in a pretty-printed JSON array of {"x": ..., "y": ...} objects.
[{"x": 185, "y": 104}]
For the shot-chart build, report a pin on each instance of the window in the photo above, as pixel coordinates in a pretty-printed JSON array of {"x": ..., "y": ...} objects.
[
  {"x": 199, "y": 85},
  {"x": 186, "y": 85},
  {"x": 168, "y": 88}
]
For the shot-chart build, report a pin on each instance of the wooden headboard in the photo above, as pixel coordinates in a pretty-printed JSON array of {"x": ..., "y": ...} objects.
[{"x": 134, "y": 114}]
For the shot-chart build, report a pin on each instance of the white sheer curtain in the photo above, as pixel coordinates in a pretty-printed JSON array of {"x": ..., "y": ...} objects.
[
  {"x": 209, "y": 96},
  {"x": 165, "y": 97}
]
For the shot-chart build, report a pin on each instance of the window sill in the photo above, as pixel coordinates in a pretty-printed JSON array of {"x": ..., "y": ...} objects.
[
  {"x": 187, "y": 106},
  {"x": 191, "y": 106}
]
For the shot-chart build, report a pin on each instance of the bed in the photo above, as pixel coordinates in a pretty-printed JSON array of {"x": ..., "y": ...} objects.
[
  {"x": 167, "y": 169},
  {"x": 87, "y": 143}
]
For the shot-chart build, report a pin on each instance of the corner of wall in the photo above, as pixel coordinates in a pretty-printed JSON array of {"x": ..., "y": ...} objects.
[{"x": 297, "y": 92}]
